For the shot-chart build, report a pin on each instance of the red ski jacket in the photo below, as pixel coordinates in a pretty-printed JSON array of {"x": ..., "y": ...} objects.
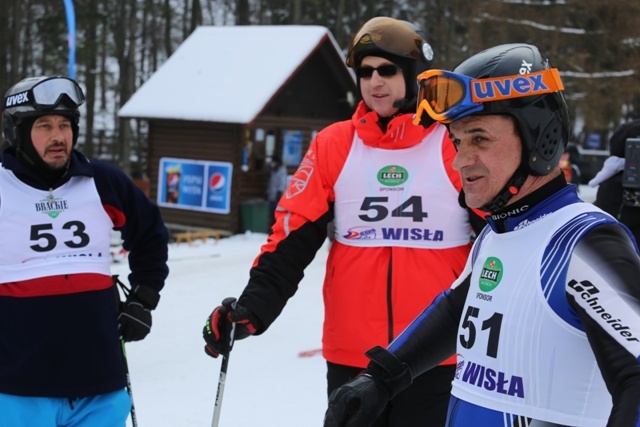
[{"x": 372, "y": 289}]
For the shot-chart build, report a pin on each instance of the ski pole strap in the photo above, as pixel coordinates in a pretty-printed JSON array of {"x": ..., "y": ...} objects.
[
  {"x": 146, "y": 295},
  {"x": 389, "y": 370},
  {"x": 230, "y": 304},
  {"x": 125, "y": 289}
]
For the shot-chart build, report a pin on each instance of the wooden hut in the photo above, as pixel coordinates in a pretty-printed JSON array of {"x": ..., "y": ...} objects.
[{"x": 228, "y": 99}]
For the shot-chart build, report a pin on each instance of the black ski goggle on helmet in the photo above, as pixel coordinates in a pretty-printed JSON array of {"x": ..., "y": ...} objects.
[
  {"x": 47, "y": 94},
  {"x": 447, "y": 96}
]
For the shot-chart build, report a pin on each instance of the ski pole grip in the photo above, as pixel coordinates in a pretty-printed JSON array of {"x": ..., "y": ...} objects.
[{"x": 230, "y": 304}]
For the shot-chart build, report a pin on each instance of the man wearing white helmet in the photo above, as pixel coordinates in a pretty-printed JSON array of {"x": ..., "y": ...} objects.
[{"x": 61, "y": 357}]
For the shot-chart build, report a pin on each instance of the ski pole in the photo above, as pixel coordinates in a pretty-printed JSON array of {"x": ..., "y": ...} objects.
[
  {"x": 230, "y": 304},
  {"x": 125, "y": 290},
  {"x": 134, "y": 418}
]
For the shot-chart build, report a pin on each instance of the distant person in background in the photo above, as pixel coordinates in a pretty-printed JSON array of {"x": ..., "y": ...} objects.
[
  {"x": 610, "y": 194},
  {"x": 569, "y": 165},
  {"x": 277, "y": 186}
]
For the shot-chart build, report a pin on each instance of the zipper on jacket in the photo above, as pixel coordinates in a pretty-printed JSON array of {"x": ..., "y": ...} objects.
[{"x": 389, "y": 297}]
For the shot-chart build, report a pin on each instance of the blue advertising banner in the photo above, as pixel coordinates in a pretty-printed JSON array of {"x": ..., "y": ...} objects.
[
  {"x": 195, "y": 185},
  {"x": 291, "y": 147}
]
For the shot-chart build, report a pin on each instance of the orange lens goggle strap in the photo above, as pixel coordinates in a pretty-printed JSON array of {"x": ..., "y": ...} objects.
[
  {"x": 423, "y": 106},
  {"x": 484, "y": 90}
]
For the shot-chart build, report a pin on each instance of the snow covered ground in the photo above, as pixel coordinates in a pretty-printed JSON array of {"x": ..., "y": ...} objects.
[{"x": 268, "y": 383}]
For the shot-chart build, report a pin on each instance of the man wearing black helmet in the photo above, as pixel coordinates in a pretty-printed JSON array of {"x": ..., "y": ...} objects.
[
  {"x": 545, "y": 320},
  {"x": 400, "y": 239},
  {"x": 61, "y": 361}
]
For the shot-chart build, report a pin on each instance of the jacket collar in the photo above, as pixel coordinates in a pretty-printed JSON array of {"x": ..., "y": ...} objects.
[
  {"x": 547, "y": 199},
  {"x": 400, "y": 132},
  {"x": 78, "y": 166}
]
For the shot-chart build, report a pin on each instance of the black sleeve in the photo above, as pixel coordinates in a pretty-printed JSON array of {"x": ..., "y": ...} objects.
[
  {"x": 609, "y": 195},
  {"x": 477, "y": 222},
  {"x": 431, "y": 338},
  {"x": 140, "y": 222},
  {"x": 276, "y": 275},
  {"x": 611, "y": 255}
]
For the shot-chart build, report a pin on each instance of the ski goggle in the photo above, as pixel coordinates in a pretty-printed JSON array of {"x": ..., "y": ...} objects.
[
  {"x": 447, "y": 96},
  {"x": 48, "y": 93}
]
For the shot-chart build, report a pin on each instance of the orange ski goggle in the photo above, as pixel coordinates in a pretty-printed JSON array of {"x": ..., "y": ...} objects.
[{"x": 447, "y": 96}]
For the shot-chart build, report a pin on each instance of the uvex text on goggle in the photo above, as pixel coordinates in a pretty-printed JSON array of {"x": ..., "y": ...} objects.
[
  {"x": 447, "y": 96},
  {"x": 48, "y": 94}
]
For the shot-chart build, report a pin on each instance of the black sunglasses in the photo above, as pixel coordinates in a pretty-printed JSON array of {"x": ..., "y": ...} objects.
[{"x": 386, "y": 70}]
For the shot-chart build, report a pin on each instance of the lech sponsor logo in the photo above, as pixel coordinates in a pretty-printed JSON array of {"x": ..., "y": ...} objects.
[
  {"x": 392, "y": 175},
  {"x": 491, "y": 274}
]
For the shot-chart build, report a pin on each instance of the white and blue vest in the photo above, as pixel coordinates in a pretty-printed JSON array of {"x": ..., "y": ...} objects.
[{"x": 519, "y": 352}]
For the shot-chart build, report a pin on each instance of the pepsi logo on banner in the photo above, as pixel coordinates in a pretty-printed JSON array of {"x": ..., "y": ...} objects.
[{"x": 217, "y": 181}]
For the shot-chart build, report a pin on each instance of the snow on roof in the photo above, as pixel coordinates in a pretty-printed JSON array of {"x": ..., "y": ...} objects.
[{"x": 225, "y": 73}]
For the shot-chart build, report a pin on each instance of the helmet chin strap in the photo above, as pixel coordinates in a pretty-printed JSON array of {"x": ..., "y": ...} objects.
[
  {"x": 502, "y": 198},
  {"x": 508, "y": 191}
]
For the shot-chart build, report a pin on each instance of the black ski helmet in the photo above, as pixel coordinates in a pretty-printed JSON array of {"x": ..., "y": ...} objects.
[
  {"x": 542, "y": 120},
  {"x": 401, "y": 42},
  {"x": 34, "y": 97}
]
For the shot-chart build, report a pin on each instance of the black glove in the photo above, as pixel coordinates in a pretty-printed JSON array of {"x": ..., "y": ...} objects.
[
  {"x": 360, "y": 401},
  {"x": 134, "y": 319},
  {"x": 217, "y": 329}
]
